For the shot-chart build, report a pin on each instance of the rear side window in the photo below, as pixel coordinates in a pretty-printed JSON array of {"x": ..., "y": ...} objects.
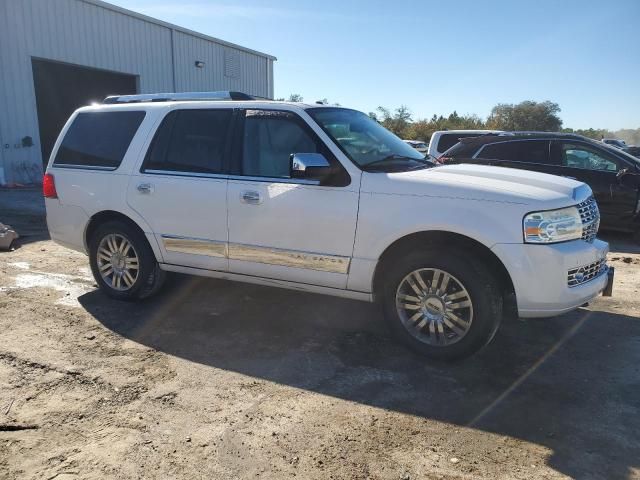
[
  {"x": 530, "y": 151},
  {"x": 98, "y": 139},
  {"x": 193, "y": 141}
]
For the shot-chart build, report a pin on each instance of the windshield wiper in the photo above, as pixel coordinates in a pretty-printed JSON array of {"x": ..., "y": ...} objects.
[{"x": 392, "y": 157}]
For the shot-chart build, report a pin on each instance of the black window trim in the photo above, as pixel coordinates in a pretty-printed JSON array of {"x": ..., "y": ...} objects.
[
  {"x": 100, "y": 168},
  {"x": 178, "y": 173},
  {"x": 548, "y": 140},
  {"x": 236, "y": 155}
]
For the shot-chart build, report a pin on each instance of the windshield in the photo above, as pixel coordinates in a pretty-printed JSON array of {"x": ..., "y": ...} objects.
[{"x": 367, "y": 143}]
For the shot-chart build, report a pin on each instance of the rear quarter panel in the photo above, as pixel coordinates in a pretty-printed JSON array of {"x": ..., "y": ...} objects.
[{"x": 83, "y": 191}]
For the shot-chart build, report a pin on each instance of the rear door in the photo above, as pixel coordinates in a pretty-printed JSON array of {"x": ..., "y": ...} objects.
[
  {"x": 181, "y": 187},
  {"x": 599, "y": 169}
]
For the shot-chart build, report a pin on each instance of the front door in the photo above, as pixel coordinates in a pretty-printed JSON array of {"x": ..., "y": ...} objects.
[
  {"x": 285, "y": 228},
  {"x": 181, "y": 189},
  {"x": 598, "y": 169}
]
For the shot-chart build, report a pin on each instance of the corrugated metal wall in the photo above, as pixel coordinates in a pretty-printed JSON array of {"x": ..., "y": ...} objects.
[{"x": 97, "y": 35}]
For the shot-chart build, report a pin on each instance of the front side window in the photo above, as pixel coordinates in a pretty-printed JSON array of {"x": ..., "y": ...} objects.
[
  {"x": 98, "y": 139},
  {"x": 367, "y": 143},
  {"x": 270, "y": 138},
  {"x": 581, "y": 156},
  {"x": 530, "y": 151},
  {"x": 192, "y": 141}
]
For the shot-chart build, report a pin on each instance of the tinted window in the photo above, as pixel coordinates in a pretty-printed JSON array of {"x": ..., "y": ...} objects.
[
  {"x": 530, "y": 151},
  {"x": 448, "y": 140},
  {"x": 191, "y": 141},
  {"x": 270, "y": 138},
  {"x": 98, "y": 139},
  {"x": 582, "y": 156}
]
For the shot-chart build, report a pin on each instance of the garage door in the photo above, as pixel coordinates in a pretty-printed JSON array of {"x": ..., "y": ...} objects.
[{"x": 61, "y": 88}]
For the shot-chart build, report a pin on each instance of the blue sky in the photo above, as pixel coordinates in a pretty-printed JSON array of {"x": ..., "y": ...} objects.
[{"x": 438, "y": 56}]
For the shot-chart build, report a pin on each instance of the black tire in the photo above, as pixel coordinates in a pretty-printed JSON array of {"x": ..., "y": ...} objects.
[
  {"x": 636, "y": 236},
  {"x": 484, "y": 293},
  {"x": 149, "y": 278}
]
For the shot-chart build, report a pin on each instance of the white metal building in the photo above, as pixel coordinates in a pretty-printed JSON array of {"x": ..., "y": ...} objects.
[{"x": 57, "y": 55}]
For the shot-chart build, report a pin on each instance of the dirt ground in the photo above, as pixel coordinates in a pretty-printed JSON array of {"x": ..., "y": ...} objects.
[{"x": 215, "y": 379}]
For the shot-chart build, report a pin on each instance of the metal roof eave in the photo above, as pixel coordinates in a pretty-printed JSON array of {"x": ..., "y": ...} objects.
[{"x": 177, "y": 28}]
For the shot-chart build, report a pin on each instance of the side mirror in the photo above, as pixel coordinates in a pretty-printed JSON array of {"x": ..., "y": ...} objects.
[
  {"x": 309, "y": 166},
  {"x": 628, "y": 179}
]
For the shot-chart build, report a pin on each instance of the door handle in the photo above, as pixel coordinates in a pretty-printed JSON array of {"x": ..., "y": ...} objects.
[
  {"x": 251, "y": 197},
  {"x": 145, "y": 188}
]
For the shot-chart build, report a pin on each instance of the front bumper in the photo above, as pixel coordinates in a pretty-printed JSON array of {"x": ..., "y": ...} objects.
[{"x": 539, "y": 274}]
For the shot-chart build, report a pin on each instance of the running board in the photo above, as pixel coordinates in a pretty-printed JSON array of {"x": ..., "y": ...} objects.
[{"x": 268, "y": 282}]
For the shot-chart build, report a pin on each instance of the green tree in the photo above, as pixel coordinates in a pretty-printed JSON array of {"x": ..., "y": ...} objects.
[
  {"x": 629, "y": 135},
  {"x": 527, "y": 115},
  {"x": 423, "y": 129},
  {"x": 595, "y": 133},
  {"x": 398, "y": 122},
  {"x": 294, "y": 97}
]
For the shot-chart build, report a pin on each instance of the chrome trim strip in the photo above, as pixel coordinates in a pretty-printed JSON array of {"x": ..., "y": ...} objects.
[
  {"x": 253, "y": 253},
  {"x": 186, "y": 174},
  {"x": 194, "y": 246},
  {"x": 222, "y": 176},
  {"x": 289, "y": 258},
  {"x": 274, "y": 179},
  {"x": 84, "y": 167}
]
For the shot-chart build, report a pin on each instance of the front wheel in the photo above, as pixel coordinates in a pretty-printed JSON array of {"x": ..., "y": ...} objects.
[
  {"x": 123, "y": 263},
  {"x": 443, "y": 304}
]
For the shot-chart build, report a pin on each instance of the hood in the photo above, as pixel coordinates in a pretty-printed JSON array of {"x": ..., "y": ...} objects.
[{"x": 480, "y": 182}]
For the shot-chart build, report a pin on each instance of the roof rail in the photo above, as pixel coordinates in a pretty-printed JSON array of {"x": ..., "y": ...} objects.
[
  {"x": 534, "y": 132},
  {"x": 177, "y": 97}
]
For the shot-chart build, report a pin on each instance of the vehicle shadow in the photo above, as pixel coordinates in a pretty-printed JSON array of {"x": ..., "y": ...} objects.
[{"x": 582, "y": 403}]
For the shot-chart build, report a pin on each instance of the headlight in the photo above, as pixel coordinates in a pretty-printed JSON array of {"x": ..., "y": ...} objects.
[{"x": 552, "y": 226}]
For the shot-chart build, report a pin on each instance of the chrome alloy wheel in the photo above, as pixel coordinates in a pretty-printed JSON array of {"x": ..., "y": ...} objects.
[
  {"x": 434, "y": 306},
  {"x": 117, "y": 262}
]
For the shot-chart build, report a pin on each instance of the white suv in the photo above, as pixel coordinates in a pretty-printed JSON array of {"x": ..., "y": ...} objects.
[{"x": 321, "y": 199}]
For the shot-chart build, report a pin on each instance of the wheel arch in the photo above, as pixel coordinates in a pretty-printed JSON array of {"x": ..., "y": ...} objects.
[
  {"x": 444, "y": 239},
  {"x": 103, "y": 216}
]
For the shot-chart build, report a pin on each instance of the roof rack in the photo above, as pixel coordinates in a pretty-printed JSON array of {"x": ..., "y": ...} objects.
[
  {"x": 537, "y": 132},
  {"x": 177, "y": 97}
]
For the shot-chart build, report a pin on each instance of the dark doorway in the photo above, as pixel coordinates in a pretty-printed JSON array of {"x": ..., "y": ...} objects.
[{"x": 61, "y": 88}]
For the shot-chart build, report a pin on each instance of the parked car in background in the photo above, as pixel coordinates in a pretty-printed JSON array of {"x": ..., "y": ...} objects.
[
  {"x": 320, "y": 199},
  {"x": 632, "y": 150},
  {"x": 443, "y": 140},
  {"x": 615, "y": 142},
  {"x": 613, "y": 175},
  {"x": 419, "y": 145}
]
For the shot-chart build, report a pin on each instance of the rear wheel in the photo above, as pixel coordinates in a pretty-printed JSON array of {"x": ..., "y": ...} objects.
[
  {"x": 123, "y": 263},
  {"x": 442, "y": 304}
]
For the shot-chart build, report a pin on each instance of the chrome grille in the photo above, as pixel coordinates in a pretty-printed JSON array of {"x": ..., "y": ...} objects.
[
  {"x": 586, "y": 273},
  {"x": 590, "y": 216}
]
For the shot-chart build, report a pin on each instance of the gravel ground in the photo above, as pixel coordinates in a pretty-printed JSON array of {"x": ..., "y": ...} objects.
[{"x": 217, "y": 379}]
